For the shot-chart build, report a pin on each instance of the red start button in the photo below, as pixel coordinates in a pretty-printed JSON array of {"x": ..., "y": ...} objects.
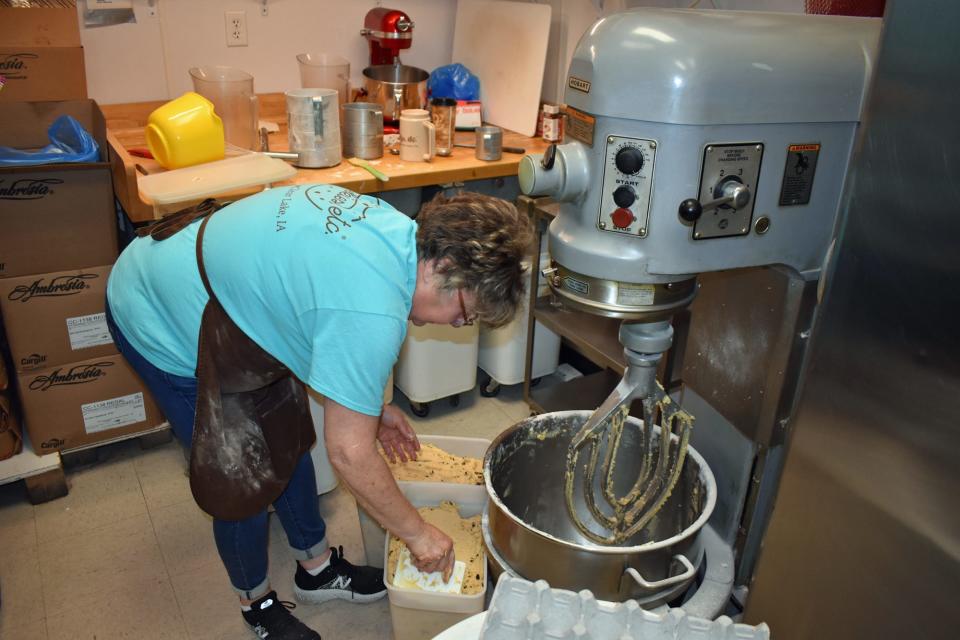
[{"x": 622, "y": 218}]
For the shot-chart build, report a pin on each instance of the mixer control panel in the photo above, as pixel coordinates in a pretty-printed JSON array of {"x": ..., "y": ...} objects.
[{"x": 627, "y": 180}]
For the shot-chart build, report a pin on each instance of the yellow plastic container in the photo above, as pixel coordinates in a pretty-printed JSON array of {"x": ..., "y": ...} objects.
[{"x": 185, "y": 132}]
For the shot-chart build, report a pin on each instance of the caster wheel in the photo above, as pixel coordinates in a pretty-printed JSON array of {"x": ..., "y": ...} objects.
[
  {"x": 420, "y": 409},
  {"x": 489, "y": 387},
  {"x": 490, "y": 390},
  {"x": 535, "y": 381},
  {"x": 455, "y": 400}
]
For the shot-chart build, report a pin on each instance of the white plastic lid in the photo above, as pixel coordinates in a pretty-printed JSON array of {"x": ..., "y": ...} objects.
[
  {"x": 213, "y": 178},
  {"x": 551, "y": 108}
]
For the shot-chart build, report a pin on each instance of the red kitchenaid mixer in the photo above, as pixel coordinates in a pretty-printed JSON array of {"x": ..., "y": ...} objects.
[
  {"x": 387, "y": 81},
  {"x": 388, "y": 31}
]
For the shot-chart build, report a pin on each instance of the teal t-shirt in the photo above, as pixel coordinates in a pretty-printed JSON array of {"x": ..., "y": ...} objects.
[{"x": 320, "y": 277}]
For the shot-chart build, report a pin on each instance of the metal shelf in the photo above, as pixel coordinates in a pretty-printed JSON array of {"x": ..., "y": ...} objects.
[
  {"x": 586, "y": 392},
  {"x": 596, "y": 337}
]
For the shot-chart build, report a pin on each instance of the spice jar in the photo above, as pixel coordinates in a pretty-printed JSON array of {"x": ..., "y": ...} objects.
[
  {"x": 552, "y": 123},
  {"x": 443, "y": 112}
]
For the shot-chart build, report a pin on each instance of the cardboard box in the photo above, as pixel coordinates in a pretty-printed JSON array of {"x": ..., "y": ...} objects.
[
  {"x": 44, "y": 26},
  {"x": 4, "y": 376},
  {"x": 55, "y": 318},
  {"x": 41, "y": 57},
  {"x": 11, "y": 440},
  {"x": 42, "y": 73},
  {"x": 55, "y": 216},
  {"x": 468, "y": 114},
  {"x": 81, "y": 403}
]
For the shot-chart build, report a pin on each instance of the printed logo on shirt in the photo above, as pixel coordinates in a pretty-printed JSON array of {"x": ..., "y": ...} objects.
[
  {"x": 68, "y": 285},
  {"x": 281, "y": 216},
  {"x": 80, "y": 374},
  {"x": 28, "y": 188},
  {"x": 343, "y": 209}
]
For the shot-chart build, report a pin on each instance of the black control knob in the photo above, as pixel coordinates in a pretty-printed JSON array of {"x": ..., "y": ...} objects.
[
  {"x": 690, "y": 210},
  {"x": 629, "y": 160},
  {"x": 624, "y": 196},
  {"x": 549, "y": 157}
]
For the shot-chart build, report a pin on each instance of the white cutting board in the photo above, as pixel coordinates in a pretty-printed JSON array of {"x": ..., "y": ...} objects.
[{"x": 505, "y": 45}]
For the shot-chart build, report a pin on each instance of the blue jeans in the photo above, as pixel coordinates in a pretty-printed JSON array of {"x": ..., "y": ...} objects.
[{"x": 242, "y": 543}]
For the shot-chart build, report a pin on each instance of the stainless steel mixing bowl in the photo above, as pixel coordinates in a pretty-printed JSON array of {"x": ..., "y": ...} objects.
[
  {"x": 531, "y": 531},
  {"x": 395, "y": 88}
]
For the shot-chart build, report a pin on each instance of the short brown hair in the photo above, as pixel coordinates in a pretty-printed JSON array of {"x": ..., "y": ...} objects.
[{"x": 479, "y": 243}]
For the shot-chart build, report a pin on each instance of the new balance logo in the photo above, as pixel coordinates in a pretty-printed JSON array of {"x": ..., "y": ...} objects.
[{"x": 340, "y": 582}]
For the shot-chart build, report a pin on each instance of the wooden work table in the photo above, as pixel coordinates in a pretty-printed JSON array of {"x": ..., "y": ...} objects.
[{"x": 125, "y": 131}]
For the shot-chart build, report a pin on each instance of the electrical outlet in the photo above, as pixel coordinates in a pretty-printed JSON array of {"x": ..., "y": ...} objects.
[{"x": 236, "y": 23}]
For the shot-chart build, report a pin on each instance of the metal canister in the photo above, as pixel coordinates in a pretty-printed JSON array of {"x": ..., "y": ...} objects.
[
  {"x": 313, "y": 121},
  {"x": 489, "y": 143},
  {"x": 363, "y": 130}
]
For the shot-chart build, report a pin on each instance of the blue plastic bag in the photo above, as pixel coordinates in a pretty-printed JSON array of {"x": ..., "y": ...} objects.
[
  {"x": 454, "y": 81},
  {"x": 69, "y": 142}
]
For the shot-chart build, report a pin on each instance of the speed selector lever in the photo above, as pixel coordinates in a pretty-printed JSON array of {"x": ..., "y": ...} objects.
[{"x": 730, "y": 192}]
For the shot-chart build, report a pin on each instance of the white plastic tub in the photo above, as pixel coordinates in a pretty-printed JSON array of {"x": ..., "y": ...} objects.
[
  {"x": 326, "y": 477},
  {"x": 502, "y": 352},
  {"x": 374, "y": 535},
  {"x": 437, "y": 361},
  {"x": 416, "y": 615}
]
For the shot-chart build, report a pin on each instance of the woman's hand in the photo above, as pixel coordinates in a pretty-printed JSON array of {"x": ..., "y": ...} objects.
[
  {"x": 396, "y": 436},
  {"x": 432, "y": 550}
]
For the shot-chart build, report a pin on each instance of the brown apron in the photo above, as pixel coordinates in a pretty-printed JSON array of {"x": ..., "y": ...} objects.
[{"x": 253, "y": 421}]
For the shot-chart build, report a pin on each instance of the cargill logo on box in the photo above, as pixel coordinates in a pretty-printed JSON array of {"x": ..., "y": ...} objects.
[
  {"x": 34, "y": 360},
  {"x": 53, "y": 443},
  {"x": 65, "y": 285},
  {"x": 28, "y": 188},
  {"x": 79, "y": 374}
]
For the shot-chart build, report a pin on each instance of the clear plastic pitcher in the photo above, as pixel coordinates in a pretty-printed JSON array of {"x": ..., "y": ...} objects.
[
  {"x": 231, "y": 92},
  {"x": 325, "y": 71}
]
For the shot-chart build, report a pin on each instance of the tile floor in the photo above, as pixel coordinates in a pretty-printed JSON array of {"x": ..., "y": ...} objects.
[{"x": 127, "y": 554}]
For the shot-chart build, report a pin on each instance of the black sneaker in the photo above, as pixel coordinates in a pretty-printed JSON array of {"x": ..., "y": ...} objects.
[
  {"x": 269, "y": 617},
  {"x": 340, "y": 580}
]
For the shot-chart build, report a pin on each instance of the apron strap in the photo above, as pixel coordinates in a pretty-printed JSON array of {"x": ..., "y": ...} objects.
[
  {"x": 203, "y": 270},
  {"x": 171, "y": 224}
]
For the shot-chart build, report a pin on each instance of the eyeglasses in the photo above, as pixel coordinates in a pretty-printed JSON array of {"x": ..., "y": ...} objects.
[{"x": 467, "y": 320}]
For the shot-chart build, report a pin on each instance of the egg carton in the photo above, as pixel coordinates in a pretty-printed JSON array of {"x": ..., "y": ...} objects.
[{"x": 524, "y": 610}]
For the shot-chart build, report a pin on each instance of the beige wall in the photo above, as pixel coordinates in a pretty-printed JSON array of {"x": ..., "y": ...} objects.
[{"x": 149, "y": 60}]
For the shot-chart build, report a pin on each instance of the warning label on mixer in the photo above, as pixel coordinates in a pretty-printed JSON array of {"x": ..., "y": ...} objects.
[
  {"x": 635, "y": 295},
  {"x": 798, "y": 174},
  {"x": 580, "y": 126},
  {"x": 577, "y": 286}
]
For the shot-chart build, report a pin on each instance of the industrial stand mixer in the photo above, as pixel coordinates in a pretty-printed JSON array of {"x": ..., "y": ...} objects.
[{"x": 704, "y": 152}]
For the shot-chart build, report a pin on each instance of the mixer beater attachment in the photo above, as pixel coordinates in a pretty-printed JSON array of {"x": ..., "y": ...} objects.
[{"x": 661, "y": 461}]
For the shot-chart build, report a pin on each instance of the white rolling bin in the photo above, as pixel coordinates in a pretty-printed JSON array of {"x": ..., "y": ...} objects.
[
  {"x": 326, "y": 477},
  {"x": 503, "y": 351},
  {"x": 437, "y": 361}
]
